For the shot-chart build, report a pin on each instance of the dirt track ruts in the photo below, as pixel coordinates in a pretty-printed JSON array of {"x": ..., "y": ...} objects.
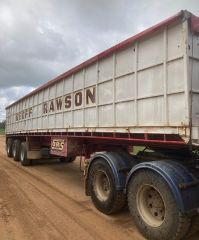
[{"x": 47, "y": 201}]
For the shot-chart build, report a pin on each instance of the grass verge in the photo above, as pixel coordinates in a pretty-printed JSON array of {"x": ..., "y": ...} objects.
[{"x": 2, "y": 131}]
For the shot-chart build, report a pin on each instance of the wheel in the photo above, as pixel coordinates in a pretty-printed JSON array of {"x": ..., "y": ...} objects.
[
  {"x": 16, "y": 149},
  {"x": 104, "y": 195},
  {"x": 194, "y": 226},
  {"x": 154, "y": 209},
  {"x": 67, "y": 159},
  {"x": 23, "y": 155},
  {"x": 9, "y": 147}
]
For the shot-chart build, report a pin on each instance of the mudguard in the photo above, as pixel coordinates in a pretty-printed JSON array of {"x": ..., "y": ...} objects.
[
  {"x": 182, "y": 182},
  {"x": 120, "y": 164}
]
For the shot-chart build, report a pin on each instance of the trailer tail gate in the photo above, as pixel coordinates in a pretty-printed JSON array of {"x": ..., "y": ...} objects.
[{"x": 193, "y": 67}]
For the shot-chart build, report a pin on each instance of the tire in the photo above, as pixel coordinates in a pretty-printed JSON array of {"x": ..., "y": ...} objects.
[
  {"x": 23, "y": 155},
  {"x": 194, "y": 226},
  {"x": 9, "y": 147},
  {"x": 104, "y": 195},
  {"x": 67, "y": 159},
  {"x": 16, "y": 149},
  {"x": 154, "y": 209}
]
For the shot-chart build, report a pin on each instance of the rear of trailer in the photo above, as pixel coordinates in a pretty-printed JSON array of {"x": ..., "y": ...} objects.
[{"x": 142, "y": 92}]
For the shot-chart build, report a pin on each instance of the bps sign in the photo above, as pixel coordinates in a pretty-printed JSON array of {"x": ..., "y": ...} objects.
[{"x": 58, "y": 146}]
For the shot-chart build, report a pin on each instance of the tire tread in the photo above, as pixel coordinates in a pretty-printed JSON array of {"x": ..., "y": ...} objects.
[
  {"x": 118, "y": 199},
  {"x": 182, "y": 222},
  {"x": 194, "y": 226}
]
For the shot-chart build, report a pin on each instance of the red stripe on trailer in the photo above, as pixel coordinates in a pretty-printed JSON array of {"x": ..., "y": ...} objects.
[
  {"x": 195, "y": 23},
  {"x": 134, "y": 140},
  {"x": 123, "y": 140}
]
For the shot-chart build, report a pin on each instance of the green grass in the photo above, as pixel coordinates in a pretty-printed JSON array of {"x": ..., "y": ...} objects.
[
  {"x": 2, "y": 131},
  {"x": 137, "y": 149}
]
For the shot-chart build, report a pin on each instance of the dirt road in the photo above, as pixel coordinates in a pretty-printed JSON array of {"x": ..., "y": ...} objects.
[{"x": 47, "y": 201}]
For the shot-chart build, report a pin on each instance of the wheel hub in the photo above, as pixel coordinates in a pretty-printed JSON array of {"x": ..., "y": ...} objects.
[
  {"x": 14, "y": 151},
  {"x": 151, "y": 205},
  {"x": 22, "y": 155},
  {"x": 101, "y": 185}
]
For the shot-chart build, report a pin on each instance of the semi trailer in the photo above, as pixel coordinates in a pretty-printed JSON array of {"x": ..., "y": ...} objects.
[{"x": 142, "y": 94}]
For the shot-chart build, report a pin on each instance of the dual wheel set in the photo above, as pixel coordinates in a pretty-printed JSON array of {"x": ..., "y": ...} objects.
[
  {"x": 149, "y": 198},
  {"x": 18, "y": 150}
]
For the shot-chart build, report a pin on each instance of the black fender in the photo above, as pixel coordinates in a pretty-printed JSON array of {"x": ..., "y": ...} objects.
[
  {"x": 120, "y": 164},
  {"x": 182, "y": 182}
]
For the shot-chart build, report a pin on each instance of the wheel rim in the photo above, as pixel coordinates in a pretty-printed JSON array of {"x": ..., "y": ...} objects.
[
  {"x": 14, "y": 150},
  {"x": 22, "y": 154},
  {"x": 101, "y": 185},
  {"x": 8, "y": 148},
  {"x": 150, "y": 205}
]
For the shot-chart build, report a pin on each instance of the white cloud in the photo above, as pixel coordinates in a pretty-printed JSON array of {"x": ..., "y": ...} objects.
[
  {"x": 6, "y": 16},
  {"x": 9, "y": 95}
]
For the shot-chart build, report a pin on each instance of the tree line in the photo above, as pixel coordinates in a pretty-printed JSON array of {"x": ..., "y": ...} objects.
[{"x": 2, "y": 124}]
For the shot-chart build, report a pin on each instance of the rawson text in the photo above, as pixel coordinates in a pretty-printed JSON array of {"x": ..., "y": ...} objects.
[{"x": 74, "y": 100}]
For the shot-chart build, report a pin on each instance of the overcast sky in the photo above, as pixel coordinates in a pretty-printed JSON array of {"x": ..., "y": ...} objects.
[{"x": 40, "y": 39}]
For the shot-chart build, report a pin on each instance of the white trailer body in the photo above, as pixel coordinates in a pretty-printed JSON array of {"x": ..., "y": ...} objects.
[{"x": 148, "y": 84}]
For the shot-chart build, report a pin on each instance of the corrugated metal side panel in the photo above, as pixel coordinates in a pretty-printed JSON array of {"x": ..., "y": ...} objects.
[{"x": 140, "y": 87}]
